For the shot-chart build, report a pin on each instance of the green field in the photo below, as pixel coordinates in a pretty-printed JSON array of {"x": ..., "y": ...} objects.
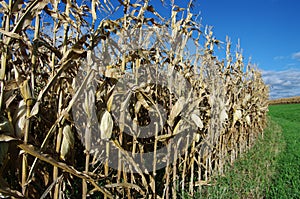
[
  {"x": 286, "y": 182},
  {"x": 271, "y": 169}
]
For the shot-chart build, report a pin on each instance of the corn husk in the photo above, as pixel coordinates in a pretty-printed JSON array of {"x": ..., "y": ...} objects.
[
  {"x": 176, "y": 109},
  {"x": 19, "y": 119},
  {"x": 67, "y": 142},
  {"x": 223, "y": 116},
  {"x": 25, "y": 90},
  {"x": 237, "y": 115},
  {"x": 196, "y": 119},
  {"x": 106, "y": 125}
]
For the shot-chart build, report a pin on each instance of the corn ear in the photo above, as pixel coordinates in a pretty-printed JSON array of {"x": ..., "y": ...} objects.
[
  {"x": 176, "y": 109},
  {"x": 237, "y": 115},
  {"x": 67, "y": 143},
  {"x": 25, "y": 90},
  {"x": 196, "y": 119},
  {"x": 106, "y": 125},
  {"x": 19, "y": 119}
]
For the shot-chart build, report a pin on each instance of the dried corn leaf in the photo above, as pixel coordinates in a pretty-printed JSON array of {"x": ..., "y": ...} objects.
[
  {"x": 197, "y": 137},
  {"x": 5, "y": 131},
  {"x": 46, "y": 158},
  {"x": 6, "y": 138},
  {"x": 93, "y": 10},
  {"x": 35, "y": 109},
  {"x": 110, "y": 102},
  {"x": 3, "y": 151},
  {"x": 5, "y": 191},
  {"x": 26, "y": 19},
  {"x": 143, "y": 101},
  {"x": 178, "y": 128},
  {"x": 10, "y": 34},
  {"x": 5, "y": 126}
]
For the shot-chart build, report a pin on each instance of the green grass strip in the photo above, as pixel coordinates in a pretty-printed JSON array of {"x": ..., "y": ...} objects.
[
  {"x": 286, "y": 182},
  {"x": 252, "y": 173}
]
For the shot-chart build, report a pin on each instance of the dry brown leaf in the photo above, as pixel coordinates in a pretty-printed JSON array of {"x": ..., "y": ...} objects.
[
  {"x": 46, "y": 158},
  {"x": 6, "y": 126},
  {"x": 110, "y": 102},
  {"x": 10, "y": 34},
  {"x": 143, "y": 101},
  {"x": 6, "y": 138}
]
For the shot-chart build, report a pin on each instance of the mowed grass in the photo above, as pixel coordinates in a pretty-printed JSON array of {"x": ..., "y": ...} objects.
[
  {"x": 271, "y": 169},
  {"x": 286, "y": 182}
]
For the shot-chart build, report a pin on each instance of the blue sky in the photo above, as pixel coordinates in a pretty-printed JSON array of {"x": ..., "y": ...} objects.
[{"x": 269, "y": 33}]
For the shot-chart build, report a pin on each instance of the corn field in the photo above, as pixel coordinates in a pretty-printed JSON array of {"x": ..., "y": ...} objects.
[{"x": 110, "y": 99}]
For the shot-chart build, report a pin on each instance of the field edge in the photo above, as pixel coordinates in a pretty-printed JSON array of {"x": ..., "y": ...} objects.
[{"x": 252, "y": 173}]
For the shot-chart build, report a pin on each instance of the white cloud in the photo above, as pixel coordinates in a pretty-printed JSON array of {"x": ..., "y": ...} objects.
[
  {"x": 296, "y": 55},
  {"x": 279, "y": 57},
  {"x": 283, "y": 83}
]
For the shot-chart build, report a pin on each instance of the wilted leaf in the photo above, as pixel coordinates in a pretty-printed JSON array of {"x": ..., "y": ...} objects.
[
  {"x": 93, "y": 10},
  {"x": 142, "y": 100},
  {"x": 177, "y": 127},
  {"x": 6, "y": 138},
  {"x": 46, "y": 158},
  {"x": 3, "y": 151},
  {"x": 10, "y": 34},
  {"x": 5, "y": 191},
  {"x": 110, "y": 102},
  {"x": 5, "y": 126},
  {"x": 35, "y": 109}
]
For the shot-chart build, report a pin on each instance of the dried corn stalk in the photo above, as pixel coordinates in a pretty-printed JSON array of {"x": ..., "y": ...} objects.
[{"x": 182, "y": 108}]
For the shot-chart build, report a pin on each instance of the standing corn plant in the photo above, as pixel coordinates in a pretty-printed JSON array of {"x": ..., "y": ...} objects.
[{"x": 110, "y": 99}]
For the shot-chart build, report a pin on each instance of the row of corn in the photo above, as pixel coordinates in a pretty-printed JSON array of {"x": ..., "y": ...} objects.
[{"x": 136, "y": 105}]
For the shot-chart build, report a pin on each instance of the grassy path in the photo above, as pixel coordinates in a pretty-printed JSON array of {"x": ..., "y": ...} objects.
[{"x": 286, "y": 181}]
